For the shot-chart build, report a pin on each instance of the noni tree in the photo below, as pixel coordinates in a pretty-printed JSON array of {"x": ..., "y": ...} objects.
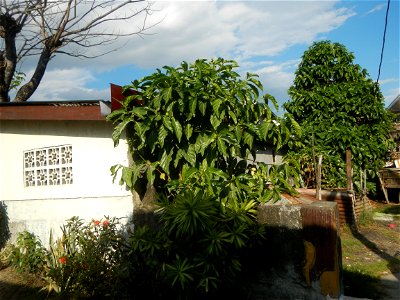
[
  {"x": 191, "y": 131},
  {"x": 338, "y": 106},
  {"x": 197, "y": 114}
]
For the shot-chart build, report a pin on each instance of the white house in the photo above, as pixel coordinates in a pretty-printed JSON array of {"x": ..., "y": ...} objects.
[{"x": 55, "y": 160}]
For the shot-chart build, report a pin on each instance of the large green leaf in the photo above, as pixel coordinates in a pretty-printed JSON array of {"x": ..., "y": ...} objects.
[
  {"x": 190, "y": 155},
  {"x": 188, "y": 131},
  {"x": 165, "y": 161},
  {"x": 233, "y": 116},
  {"x": 248, "y": 139},
  {"x": 222, "y": 147},
  {"x": 177, "y": 128},
  {"x": 162, "y": 135},
  {"x": 215, "y": 121},
  {"x": 167, "y": 93},
  {"x": 216, "y": 105},
  {"x": 166, "y": 120},
  {"x": 139, "y": 112},
  {"x": 192, "y": 106},
  {"x": 116, "y": 135},
  {"x": 202, "y": 107},
  {"x": 202, "y": 143}
]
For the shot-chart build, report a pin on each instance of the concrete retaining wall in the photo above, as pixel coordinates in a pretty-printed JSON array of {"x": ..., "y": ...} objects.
[
  {"x": 39, "y": 216},
  {"x": 302, "y": 256}
]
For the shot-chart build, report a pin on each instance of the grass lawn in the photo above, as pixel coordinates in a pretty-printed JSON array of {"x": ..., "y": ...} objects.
[{"x": 371, "y": 252}]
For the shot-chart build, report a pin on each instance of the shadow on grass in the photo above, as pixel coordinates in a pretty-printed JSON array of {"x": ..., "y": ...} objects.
[
  {"x": 393, "y": 263},
  {"x": 360, "y": 285},
  {"x": 395, "y": 210}
]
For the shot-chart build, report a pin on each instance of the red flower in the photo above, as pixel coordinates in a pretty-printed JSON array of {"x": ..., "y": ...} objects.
[
  {"x": 63, "y": 260},
  {"x": 106, "y": 223},
  {"x": 96, "y": 222},
  {"x": 391, "y": 225}
]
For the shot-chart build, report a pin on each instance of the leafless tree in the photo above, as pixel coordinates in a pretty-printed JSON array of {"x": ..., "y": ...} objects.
[{"x": 44, "y": 28}]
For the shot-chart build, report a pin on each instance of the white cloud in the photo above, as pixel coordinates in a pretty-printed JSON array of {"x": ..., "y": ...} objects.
[
  {"x": 232, "y": 29},
  {"x": 238, "y": 30},
  {"x": 388, "y": 80},
  {"x": 276, "y": 77},
  {"x": 68, "y": 84},
  {"x": 376, "y": 8}
]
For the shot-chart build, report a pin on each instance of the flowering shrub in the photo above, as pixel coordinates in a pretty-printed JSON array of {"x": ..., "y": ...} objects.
[{"x": 86, "y": 260}]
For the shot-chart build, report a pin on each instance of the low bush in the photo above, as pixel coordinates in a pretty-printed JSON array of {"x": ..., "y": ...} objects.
[
  {"x": 27, "y": 255},
  {"x": 86, "y": 260},
  {"x": 207, "y": 230}
]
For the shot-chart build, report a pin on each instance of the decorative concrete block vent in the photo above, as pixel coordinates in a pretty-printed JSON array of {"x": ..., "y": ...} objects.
[
  {"x": 301, "y": 258},
  {"x": 48, "y": 166}
]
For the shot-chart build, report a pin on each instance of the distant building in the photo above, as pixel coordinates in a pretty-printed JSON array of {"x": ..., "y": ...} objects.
[
  {"x": 394, "y": 107},
  {"x": 390, "y": 175}
]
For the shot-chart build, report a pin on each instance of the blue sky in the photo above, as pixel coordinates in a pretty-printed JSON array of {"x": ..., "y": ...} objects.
[{"x": 265, "y": 37}]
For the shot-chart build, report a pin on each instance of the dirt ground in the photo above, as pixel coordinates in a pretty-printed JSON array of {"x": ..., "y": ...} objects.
[{"x": 13, "y": 286}]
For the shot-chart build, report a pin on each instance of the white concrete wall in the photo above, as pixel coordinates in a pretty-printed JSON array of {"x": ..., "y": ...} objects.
[
  {"x": 40, "y": 216},
  {"x": 92, "y": 194}
]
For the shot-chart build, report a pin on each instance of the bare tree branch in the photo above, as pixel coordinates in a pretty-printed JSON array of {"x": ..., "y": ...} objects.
[{"x": 44, "y": 28}]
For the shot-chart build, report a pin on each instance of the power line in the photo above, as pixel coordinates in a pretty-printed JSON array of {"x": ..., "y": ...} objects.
[{"x": 383, "y": 41}]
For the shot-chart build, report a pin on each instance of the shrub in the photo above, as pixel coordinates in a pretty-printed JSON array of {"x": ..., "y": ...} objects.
[
  {"x": 27, "y": 255},
  {"x": 207, "y": 228},
  {"x": 86, "y": 260},
  {"x": 4, "y": 230}
]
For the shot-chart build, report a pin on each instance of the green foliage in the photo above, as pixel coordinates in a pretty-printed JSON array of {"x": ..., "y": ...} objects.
[
  {"x": 191, "y": 131},
  {"x": 27, "y": 255},
  {"x": 366, "y": 217},
  {"x": 4, "y": 230},
  {"x": 334, "y": 99},
  {"x": 17, "y": 80},
  {"x": 258, "y": 182},
  {"x": 202, "y": 240},
  {"x": 197, "y": 113},
  {"x": 86, "y": 260}
]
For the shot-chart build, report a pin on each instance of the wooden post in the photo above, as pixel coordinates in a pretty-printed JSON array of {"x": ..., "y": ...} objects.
[
  {"x": 318, "y": 174},
  {"x": 365, "y": 182},
  {"x": 383, "y": 187},
  {"x": 349, "y": 170},
  {"x": 313, "y": 159},
  {"x": 349, "y": 174}
]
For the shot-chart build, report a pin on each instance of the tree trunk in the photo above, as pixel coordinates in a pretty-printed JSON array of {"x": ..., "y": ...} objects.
[
  {"x": 3, "y": 88},
  {"x": 26, "y": 91},
  {"x": 9, "y": 28}
]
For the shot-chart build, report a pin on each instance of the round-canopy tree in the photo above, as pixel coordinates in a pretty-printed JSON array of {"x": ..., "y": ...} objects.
[{"x": 334, "y": 100}]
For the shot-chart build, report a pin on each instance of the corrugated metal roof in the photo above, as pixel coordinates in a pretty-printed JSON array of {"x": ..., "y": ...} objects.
[{"x": 395, "y": 105}]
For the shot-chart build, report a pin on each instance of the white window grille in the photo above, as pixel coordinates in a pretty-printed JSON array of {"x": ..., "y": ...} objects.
[{"x": 48, "y": 166}]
